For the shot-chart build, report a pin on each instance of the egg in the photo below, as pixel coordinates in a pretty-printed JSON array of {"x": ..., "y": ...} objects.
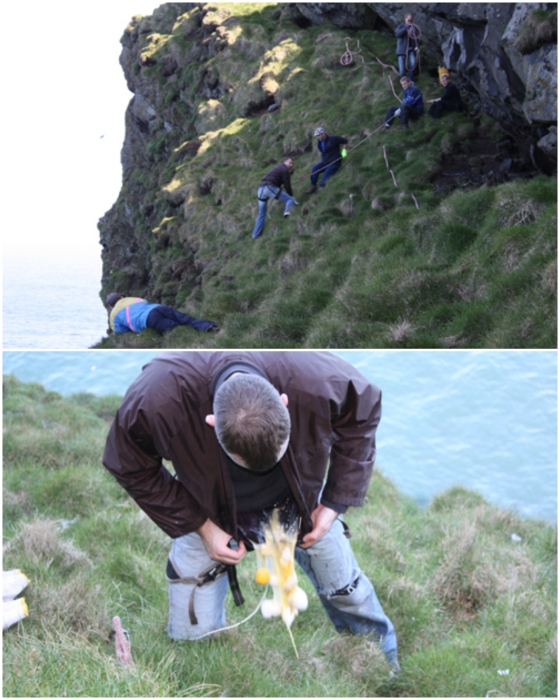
[
  {"x": 298, "y": 598},
  {"x": 262, "y": 576},
  {"x": 270, "y": 608}
]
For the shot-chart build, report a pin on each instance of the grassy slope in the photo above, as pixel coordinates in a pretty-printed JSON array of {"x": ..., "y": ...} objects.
[
  {"x": 356, "y": 265},
  {"x": 475, "y": 611}
]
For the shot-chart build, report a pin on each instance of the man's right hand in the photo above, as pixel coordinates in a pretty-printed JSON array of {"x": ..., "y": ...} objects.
[{"x": 216, "y": 542}]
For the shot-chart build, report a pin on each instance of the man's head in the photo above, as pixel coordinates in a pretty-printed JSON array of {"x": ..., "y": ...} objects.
[
  {"x": 408, "y": 18},
  {"x": 112, "y": 299},
  {"x": 251, "y": 421},
  {"x": 445, "y": 79},
  {"x": 320, "y": 133},
  {"x": 289, "y": 163},
  {"x": 406, "y": 82}
]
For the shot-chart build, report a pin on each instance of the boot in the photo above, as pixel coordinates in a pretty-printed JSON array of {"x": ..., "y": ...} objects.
[{"x": 312, "y": 189}]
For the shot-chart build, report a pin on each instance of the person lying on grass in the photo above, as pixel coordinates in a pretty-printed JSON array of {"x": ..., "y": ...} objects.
[
  {"x": 248, "y": 433},
  {"x": 134, "y": 314}
]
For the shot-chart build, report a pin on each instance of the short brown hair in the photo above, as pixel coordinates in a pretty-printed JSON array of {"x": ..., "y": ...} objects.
[{"x": 250, "y": 420}]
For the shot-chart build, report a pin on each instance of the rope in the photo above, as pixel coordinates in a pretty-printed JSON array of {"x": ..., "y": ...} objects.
[
  {"x": 393, "y": 89},
  {"x": 323, "y": 36},
  {"x": 230, "y": 627},
  {"x": 416, "y": 36},
  {"x": 394, "y": 178},
  {"x": 386, "y": 65},
  {"x": 304, "y": 177},
  {"x": 348, "y": 56}
]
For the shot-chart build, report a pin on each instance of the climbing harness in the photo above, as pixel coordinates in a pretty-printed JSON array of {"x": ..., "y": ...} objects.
[{"x": 209, "y": 575}]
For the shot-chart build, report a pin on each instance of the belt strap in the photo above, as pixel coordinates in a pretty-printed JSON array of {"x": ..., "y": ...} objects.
[{"x": 212, "y": 573}]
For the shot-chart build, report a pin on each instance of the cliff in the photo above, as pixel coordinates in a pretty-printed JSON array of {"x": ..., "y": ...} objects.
[{"x": 221, "y": 93}]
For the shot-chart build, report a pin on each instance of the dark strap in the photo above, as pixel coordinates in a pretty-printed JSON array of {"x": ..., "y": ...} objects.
[
  {"x": 234, "y": 584},
  {"x": 212, "y": 573},
  {"x": 345, "y": 530}
]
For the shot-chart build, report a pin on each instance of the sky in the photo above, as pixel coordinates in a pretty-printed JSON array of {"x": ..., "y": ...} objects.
[{"x": 63, "y": 123}]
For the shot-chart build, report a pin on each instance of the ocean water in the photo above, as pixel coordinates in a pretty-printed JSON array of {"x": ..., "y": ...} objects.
[
  {"x": 52, "y": 302},
  {"x": 483, "y": 420}
]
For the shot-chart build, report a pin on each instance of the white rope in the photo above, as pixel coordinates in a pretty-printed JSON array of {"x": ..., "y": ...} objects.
[{"x": 230, "y": 627}]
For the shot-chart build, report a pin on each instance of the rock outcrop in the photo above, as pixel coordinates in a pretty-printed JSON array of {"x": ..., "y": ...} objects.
[{"x": 477, "y": 42}]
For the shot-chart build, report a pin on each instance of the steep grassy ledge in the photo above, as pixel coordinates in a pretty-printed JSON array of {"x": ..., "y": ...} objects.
[
  {"x": 474, "y": 608},
  {"x": 358, "y": 264}
]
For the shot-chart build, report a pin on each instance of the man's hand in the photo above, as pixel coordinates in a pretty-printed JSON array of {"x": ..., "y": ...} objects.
[
  {"x": 216, "y": 543},
  {"x": 322, "y": 518}
]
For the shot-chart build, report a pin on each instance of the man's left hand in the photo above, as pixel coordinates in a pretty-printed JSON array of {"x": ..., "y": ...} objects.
[{"x": 322, "y": 518}]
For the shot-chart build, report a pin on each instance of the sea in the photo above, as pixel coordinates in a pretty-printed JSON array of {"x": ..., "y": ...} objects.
[
  {"x": 52, "y": 301},
  {"x": 485, "y": 420}
]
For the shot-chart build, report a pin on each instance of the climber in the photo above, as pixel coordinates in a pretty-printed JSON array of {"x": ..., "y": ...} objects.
[
  {"x": 271, "y": 188},
  {"x": 412, "y": 105},
  {"x": 331, "y": 157},
  {"x": 408, "y": 40},
  {"x": 450, "y": 101},
  {"x": 134, "y": 314}
]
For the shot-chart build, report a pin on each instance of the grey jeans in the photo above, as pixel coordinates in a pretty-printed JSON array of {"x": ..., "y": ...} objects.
[{"x": 345, "y": 591}]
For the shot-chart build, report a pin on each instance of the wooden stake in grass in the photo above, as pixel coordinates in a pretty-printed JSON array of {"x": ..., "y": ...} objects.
[{"x": 122, "y": 643}]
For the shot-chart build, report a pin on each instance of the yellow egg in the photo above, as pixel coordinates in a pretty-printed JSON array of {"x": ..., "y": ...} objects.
[{"x": 262, "y": 576}]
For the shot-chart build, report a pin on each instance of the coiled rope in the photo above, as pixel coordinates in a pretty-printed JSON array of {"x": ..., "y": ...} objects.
[
  {"x": 348, "y": 57},
  {"x": 415, "y": 34}
]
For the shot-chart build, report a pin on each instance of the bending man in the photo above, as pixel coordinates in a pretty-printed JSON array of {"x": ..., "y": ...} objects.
[
  {"x": 134, "y": 314},
  {"x": 247, "y": 432},
  {"x": 271, "y": 188}
]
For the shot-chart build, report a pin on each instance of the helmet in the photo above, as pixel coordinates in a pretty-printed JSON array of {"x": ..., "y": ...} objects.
[
  {"x": 318, "y": 131},
  {"x": 112, "y": 298}
]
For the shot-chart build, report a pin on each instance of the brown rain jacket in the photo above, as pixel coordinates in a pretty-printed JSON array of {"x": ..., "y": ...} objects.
[{"x": 334, "y": 412}]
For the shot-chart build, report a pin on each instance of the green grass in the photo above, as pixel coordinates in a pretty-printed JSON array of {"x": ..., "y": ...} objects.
[
  {"x": 332, "y": 274},
  {"x": 474, "y": 610}
]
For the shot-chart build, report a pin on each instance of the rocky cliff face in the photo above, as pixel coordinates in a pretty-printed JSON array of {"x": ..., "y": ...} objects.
[
  {"x": 503, "y": 55},
  {"x": 478, "y": 42}
]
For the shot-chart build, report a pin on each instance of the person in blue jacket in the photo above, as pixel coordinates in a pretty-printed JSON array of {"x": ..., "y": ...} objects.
[
  {"x": 128, "y": 314},
  {"x": 412, "y": 105},
  {"x": 331, "y": 158}
]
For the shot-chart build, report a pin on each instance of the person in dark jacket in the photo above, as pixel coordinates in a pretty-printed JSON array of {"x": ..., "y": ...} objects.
[
  {"x": 247, "y": 432},
  {"x": 134, "y": 314},
  {"x": 412, "y": 105},
  {"x": 331, "y": 158},
  {"x": 450, "y": 101},
  {"x": 271, "y": 188},
  {"x": 408, "y": 45}
]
